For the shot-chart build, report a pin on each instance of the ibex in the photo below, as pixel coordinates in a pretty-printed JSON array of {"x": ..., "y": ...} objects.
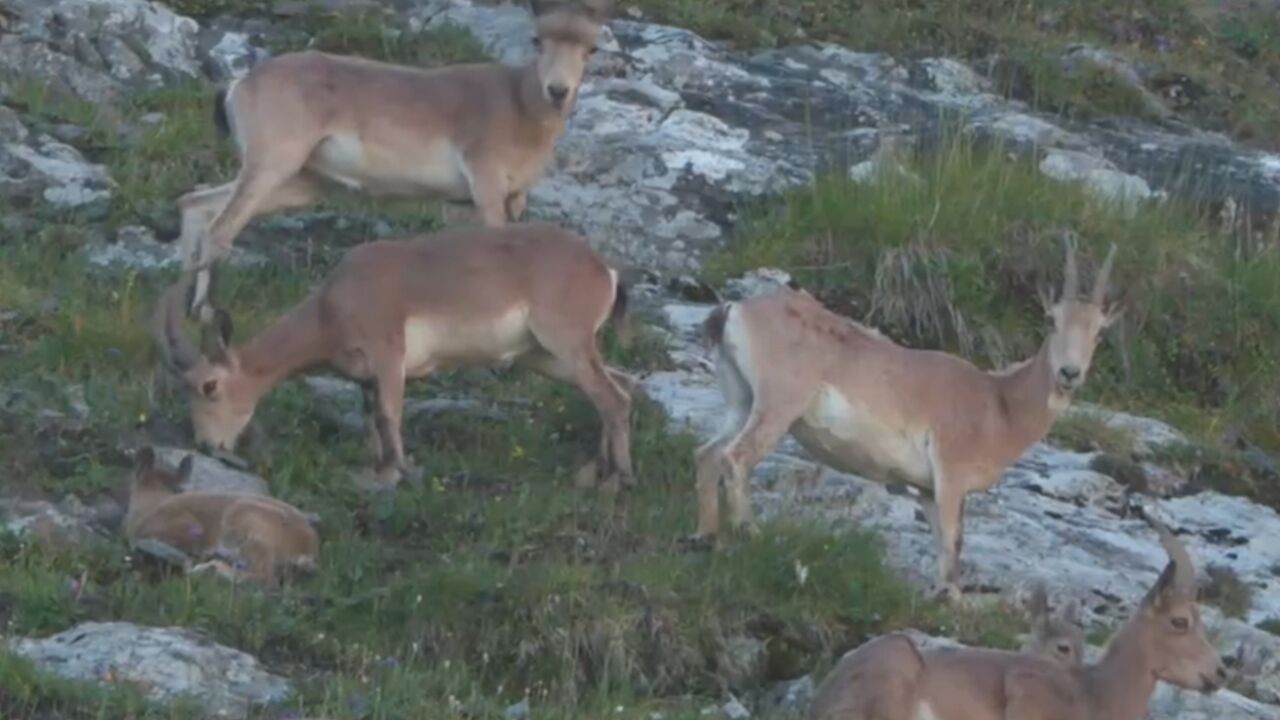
[
  {"x": 889, "y": 678},
  {"x": 863, "y": 404},
  {"x": 239, "y": 536},
  {"x": 1055, "y": 636},
  {"x": 532, "y": 294},
  {"x": 308, "y": 121}
]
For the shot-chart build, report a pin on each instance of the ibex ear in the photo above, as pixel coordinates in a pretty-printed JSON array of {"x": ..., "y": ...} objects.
[
  {"x": 542, "y": 7},
  {"x": 144, "y": 459},
  {"x": 598, "y": 10},
  {"x": 216, "y": 336},
  {"x": 1071, "y": 612},
  {"x": 184, "y": 470},
  {"x": 1114, "y": 314},
  {"x": 1164, "y": 586}
]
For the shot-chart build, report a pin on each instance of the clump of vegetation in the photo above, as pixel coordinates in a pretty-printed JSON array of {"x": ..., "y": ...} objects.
[
  {"x": 954, "y": 259},
  {"x": 1227, "y": 591},
  {"x": 1085, "y": 431},
  {"x": 1272, "y": 626}
]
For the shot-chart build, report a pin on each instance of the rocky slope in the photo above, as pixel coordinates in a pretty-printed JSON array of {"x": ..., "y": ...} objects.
[{"x": 670, "y": 135}]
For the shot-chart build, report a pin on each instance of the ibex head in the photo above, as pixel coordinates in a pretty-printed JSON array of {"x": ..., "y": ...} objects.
[
  {"x": 1057, "y": 637},
  {"x": 1076, "y": 323},
  {"x": 222, "y": 402},
  {"x": 565, "y": 40},
  {"x": 1170, "y": 623}
]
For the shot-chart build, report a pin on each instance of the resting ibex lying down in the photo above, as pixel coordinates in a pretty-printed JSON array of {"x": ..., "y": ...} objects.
[
  {"x": 307, "y": 121},
  {"x": 889, "y": 678},
  {"x": 534, "y": 294},
  {"x": 863, "y": 404},
  {"x": 237, "y": 535}
]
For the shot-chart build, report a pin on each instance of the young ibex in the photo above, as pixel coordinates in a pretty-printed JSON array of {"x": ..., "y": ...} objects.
[
  {"x": 889, "y": 678},
  {"x": 863, "y": 404},
  {"x": 239, "y": 536},
  {"x": 1055, "y": 636},
  {"x": 307, "y": 121},
  {"x": 532, "y": 294}
]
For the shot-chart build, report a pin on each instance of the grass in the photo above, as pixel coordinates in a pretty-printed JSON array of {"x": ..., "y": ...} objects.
[
  {"x": 1223, "y": 58},
  {"x": 954, "y": 262}
]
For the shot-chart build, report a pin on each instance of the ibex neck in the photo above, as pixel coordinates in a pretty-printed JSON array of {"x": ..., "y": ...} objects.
[
  {"x": 293, "y": 343},
  {"x": 1028, "y": 398},
  {"x": 1120, "y": 685}
]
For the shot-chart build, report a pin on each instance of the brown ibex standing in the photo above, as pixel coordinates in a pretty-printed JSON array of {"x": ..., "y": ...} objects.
[
  {"x": 307, "y": 121},
  {"x": 889, "y": 678},
  {"x": 236, "y": 535},
  {"x": 863, "y": 404},
  {"x": 531, "y": 294}
]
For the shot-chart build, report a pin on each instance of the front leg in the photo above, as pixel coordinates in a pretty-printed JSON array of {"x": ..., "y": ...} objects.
[
  {"x": 948, "y": 520},
  {"x": 489, "y": 192},
  {"x": 516, "y": 204}
]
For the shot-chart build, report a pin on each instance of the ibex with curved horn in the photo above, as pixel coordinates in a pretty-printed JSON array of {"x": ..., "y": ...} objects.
[
  {"x": 889, "y": 678},
  {"x": 863, "y": 404},
  {"x": 308, "y": 122}
]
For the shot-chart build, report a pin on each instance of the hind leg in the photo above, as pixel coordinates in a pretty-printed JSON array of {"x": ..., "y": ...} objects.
[
  {"x": 737, "y": 395},
  {"x": 586, "y": 370}
]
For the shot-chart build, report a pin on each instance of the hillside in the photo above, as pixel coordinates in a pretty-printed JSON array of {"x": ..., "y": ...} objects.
[{"x": 914, "y": 164}]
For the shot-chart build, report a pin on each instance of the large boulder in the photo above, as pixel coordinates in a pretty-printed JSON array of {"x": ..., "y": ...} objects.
[{"x": 169, "y": 664}]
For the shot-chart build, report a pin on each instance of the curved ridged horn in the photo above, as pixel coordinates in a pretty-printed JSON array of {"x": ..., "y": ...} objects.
[
  {"x": 1071, "y": 276},
  {"x": 1184, "y": 576},
  {"x": 1104, "y": 277},
  {"x": 175, "y": 348}
]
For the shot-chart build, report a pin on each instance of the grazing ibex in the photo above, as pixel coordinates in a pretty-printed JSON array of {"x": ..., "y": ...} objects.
[
  {"x": 239, "y": 536},
  {"x": 889, "y": 678},
  {"x": 307, "y": 121},
  {"x": 863, "y": 404},
  {"x": 532, "y": 294}
]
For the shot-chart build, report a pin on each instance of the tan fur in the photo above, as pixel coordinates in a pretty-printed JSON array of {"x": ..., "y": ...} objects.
[
  {"x": 888, "y": 678},
  {"x": 309, "y": 121},
  {"x": 863, "y": 404},
  {"x": 264, "y": 535},
  {"x": 532, "y": 294}
]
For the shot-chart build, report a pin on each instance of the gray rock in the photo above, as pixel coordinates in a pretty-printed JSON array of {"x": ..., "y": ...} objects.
[
  {"x": 735, "y": 710},
  {"x": 519, "y": 711},
  {"x": 11, "y": 128},
  {"x": 232, "y": 56},
  {"x": 167, "y": 663},
  {"x": 53, "y": 171},
  {"x": 137, "y": 247},
  {"x": 1052, "y": 518},
  {"x": 62, "y": 525},
  {"x": 60, "y": 74},
  {"x": 1097, "y": 174},
  {"x": 213, "y": 475},
  {"x": 789, "y": 699},
  {"x": 671, "y": 132},
  {"x": 742, "y": 661},
  {"x": 1080, "y": 58}
]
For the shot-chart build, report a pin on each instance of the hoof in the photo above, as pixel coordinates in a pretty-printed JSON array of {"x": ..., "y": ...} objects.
[
  {"x": 947, "y": 592},
  {"x": 697, "y": 542}
]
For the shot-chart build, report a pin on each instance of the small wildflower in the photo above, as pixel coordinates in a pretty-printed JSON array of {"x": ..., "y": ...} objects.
[{"x": 802, "y": 572}]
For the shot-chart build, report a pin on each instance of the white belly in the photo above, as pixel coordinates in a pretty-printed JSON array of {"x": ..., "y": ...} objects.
[
  {"x": 432, "y": 168},
  {"x": 432, "y": 344},
  {"x": 851, "y": 438}
]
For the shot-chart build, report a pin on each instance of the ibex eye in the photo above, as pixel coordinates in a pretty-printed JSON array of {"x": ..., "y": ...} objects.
[{"x": 1180, "y": 623}]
